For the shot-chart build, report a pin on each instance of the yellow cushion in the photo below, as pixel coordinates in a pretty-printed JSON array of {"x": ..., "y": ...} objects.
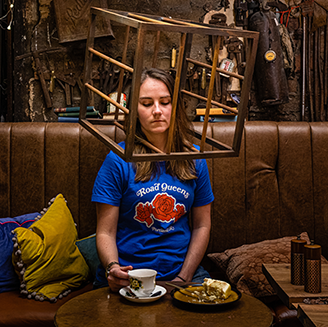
[{"x": 46, "y": 257}]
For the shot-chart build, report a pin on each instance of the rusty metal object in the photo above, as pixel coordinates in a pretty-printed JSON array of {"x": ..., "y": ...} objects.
[
  {"x": 43, "y": 75},
  {"x": 71, "y": 18},
  {"x": 44, "y": 87},
  {"x": 269, "y": 72}
]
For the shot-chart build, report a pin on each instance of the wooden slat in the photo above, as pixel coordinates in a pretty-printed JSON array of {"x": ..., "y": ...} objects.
[
  {"x": 134, "y": 97},
  {"x": 149, "y": 145},
  {"x": 176, "y": 91},
  {"x": 156, "y": 48},
  {"x": 180, "y": 22},
  {"x": 213, "y": 142},
  {"x": 103, "y": 138},
  {"x": 87, "y": 67},
  {"x": 246, "y": 87},
  {"x": 184, "y": 68},
  {"x": 121, "y": 77},
  {"x": 183, "y": 155},
  {"x": 106, "y": 97},
  {"x": 119, "y": 17},
  {"x": 212, "y": 101},
  {"x": 147, "y": 19},
  {"x": 210, "y": 93},
  {"x": 113, "y": 61},
  {"x": 220, "y": 70}
]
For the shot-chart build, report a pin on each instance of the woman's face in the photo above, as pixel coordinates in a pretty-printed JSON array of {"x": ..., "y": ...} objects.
[{"x": 154, "y": 108}]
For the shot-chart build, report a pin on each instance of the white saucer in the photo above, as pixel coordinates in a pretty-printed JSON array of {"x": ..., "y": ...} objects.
[{"x": 124, "y": 290}]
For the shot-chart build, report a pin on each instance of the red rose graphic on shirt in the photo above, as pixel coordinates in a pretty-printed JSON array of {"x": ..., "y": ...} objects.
[
  {"x": 143, "y": 214},
  {"x": 180, "y": 211},
  {"x": 163, "y": 207}
]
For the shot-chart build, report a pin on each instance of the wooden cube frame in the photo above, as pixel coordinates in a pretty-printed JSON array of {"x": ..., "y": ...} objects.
[{"x": 186, "y": 29}]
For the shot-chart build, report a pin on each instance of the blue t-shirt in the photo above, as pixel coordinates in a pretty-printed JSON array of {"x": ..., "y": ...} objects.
[{"x": 153, "y": 229}]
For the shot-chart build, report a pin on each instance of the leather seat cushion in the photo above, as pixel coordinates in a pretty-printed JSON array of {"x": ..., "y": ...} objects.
[{"x": 31, "y": 312}]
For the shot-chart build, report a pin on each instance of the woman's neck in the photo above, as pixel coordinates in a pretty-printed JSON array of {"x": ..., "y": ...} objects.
[{"x": 158, "y": 140}]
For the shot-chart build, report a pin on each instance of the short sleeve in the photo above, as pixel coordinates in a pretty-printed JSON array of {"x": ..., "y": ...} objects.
[
  {"x": 109, "y": 184},
  {"x": 203, "y": 191}
]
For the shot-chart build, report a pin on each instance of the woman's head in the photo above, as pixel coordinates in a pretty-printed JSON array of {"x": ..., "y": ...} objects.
[
  {"x": 154, "y": 117},
  {"x": 155, "y": 106},
  {"x": 160, "y": 75},
  {"x": 150, "y": 78}
]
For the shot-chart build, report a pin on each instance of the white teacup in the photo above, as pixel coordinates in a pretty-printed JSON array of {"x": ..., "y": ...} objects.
[{"x": 142, "y": 281}]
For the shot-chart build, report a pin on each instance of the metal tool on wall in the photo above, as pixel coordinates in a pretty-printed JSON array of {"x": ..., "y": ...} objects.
[
  {"x": 202, "y": 87},
  {"x": 41, "y": 73},
  {"x": 42, "y": 79},
  {"x": 241, "y": 12}
]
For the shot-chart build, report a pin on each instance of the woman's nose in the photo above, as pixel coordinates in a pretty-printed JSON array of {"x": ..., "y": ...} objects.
[{"x": 157, "y": 109}]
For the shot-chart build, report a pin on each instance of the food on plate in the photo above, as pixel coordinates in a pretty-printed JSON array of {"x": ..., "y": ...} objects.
[
  {"x": 218, "y": 288},
  {"x": 214, "y": 290}
]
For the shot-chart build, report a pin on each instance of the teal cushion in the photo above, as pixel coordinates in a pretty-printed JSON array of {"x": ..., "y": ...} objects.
[{"x": 88, "y": 249}]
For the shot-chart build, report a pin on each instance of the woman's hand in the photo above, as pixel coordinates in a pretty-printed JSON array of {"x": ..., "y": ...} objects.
[{"x": 118, "y": 277}]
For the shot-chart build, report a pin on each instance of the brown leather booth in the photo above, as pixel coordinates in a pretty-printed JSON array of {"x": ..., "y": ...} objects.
[{"x": 277, "y": 187}]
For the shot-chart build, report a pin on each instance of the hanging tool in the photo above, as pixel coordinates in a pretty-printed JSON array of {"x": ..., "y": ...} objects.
[
  {"x": 172, "y": 70},
  {"x": 41, "y": 74},
  {"x": 42, "y": 79},
  {"x": 173, "y": 56},
  {"x": 202, "y": 87},
  {"x": 190, "y": 75},
  {"x": 235, "y": 47},
  {"x": 218, "y": 19},
  {"x": 52, "y": 81},
  {"x": 241, "y": 13}
]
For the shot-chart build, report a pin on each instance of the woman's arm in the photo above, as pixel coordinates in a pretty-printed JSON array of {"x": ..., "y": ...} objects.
[
  {"x": 201, "y": 219},
  {"x": 107, "y": 219}
]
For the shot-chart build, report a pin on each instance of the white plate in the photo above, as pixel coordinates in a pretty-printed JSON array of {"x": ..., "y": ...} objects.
[{"x": 124, "y": 290}]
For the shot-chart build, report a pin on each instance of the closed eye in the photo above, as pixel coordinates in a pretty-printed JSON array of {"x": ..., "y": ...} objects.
[{"x": 146, "y": 104}]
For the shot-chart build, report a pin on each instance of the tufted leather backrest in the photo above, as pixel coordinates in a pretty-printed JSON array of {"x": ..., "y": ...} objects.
[{"x": 278, "y": 186}]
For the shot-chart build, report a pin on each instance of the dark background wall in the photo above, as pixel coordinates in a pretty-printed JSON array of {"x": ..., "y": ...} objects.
[{"x": 34, "y": 43}]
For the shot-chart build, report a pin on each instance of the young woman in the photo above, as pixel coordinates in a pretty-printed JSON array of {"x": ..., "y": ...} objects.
[{"x": 143, "y": 208}]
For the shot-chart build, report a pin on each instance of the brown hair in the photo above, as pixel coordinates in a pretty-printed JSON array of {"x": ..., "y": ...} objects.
[{"x": 182, "y": 169}]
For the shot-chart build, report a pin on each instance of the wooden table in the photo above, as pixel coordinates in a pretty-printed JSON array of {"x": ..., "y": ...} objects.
[
  {"x": 312, "y": 315},
  {"x": 101, "y": 308},
  {"x": 278, "y": 275}
]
